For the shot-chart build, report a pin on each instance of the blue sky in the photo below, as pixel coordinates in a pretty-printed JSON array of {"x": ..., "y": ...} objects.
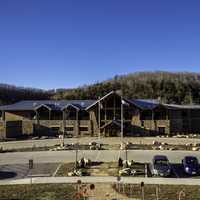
[{"x": 68, "y": 43}]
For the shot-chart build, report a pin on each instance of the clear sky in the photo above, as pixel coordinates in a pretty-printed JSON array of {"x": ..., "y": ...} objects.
[{"x": 68, "y": 43}]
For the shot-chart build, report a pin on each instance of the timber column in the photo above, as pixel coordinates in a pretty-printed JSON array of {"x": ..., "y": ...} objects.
[{"x": 77, "y": 123}]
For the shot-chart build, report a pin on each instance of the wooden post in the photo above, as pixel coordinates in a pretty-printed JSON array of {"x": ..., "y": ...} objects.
[
  {"x": 152, "y": 121},
  {"x": 105, "y": 114},
  {"x": 77, "y": 123},
  {"x": 3, "y": 115},
  {"x": 49, "y": 114},
  {"x": 37, "y": 117}
]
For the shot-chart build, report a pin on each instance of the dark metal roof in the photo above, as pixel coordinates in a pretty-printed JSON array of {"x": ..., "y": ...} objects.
[
  {"x": 145, "y": 104},
  {"x": 53, "y": 105},
  {"x": 176, "y": 107}
]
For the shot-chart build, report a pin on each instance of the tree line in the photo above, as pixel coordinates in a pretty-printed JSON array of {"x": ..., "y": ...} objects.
[
  {"x": 11, "y": 94},
  {"x": 167, "y": 87}
]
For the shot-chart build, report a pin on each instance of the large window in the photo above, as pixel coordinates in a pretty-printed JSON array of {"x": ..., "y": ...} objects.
[
  {"x": 43, "y": 113},
  {"x": 84, "y": 115},
  {"x": 146, "y": 115},
  {"x": 160, "y": 114}
]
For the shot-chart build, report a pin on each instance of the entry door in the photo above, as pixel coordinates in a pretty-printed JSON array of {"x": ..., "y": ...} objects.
[{"x": 161, "y": 130}]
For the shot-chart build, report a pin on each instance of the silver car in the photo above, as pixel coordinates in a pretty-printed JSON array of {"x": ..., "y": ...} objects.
[{"x": 160, "y": 166}]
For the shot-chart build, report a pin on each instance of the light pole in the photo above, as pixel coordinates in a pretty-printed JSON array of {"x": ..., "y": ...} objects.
[
  {"x": 64, "y": 121},
  {"x": 122, "y": 124},
  {"x": 76, "y": 156},
  {"x": 99, "y": 116}
]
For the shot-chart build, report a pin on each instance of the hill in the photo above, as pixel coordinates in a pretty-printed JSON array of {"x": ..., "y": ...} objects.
[
  {"x": 10, "y": 94},
  {"x": 168, "y": 87}
]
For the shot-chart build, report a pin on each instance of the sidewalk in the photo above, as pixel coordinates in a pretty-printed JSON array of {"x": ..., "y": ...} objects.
[{"x": 109, "y": 179}]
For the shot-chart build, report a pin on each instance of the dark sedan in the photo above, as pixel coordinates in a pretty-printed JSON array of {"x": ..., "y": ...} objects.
[
  {"x": 191, "y": 165},
  {"x": 160, "y": 166}
]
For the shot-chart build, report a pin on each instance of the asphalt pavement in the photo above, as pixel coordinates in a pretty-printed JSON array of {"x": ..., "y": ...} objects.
[{"x": 144, "y": 156}]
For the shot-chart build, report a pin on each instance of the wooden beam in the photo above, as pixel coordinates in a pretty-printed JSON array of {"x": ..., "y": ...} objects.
[{"x": 49, "y": 114}]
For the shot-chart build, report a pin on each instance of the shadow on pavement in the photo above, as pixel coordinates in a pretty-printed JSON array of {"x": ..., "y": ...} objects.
[{"x": 6, "y": 175}]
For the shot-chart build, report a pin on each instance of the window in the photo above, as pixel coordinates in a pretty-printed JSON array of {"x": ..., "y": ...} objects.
[
  {"x": 184, "y": 113},
  {"x": 83, "y": 128},
  {"x": 161, "y": 130},
  {"x": 69, "y": 128}
]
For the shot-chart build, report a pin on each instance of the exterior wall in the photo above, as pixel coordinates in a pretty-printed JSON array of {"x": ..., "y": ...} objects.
[
  {"x": 17, "y": 115},
  {"x": 2, "y": 130},
  {"x": 13, "y": 129},
  {"x": 162, "y": 123},
  {"x": 136, "y": 121},
  {"x": 45, "y": 126},
  {"x": 27, "y": 127},
  {"x": 94, "y": 123},
  {"x": 195, "y": 121},
  {"x": 10, "y": 129},
  {"x": 149, "y": 125}
]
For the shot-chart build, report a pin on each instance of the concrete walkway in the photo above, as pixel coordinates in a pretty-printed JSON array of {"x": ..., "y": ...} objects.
[
  {"x": 109, "y": 179},
  {"x": 86, "y": 140}
]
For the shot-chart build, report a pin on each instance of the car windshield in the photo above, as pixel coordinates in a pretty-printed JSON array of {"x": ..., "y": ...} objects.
[
  {"x": 161, "y": 162},
  {"x": 191, "y": 161}
]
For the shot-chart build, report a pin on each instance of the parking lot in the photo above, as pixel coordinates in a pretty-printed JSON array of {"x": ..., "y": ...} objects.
[{"x": 19, "y": 171}]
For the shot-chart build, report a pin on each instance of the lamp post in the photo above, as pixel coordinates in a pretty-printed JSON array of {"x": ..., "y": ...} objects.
[
  {"x": 99, "y": 117},
  {"x": 122, "y": 128},
  {"x": 64, "y": 121},
  {"x": 76, "y": 156}
]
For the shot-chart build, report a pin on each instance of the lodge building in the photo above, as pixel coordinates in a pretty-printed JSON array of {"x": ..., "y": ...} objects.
[{"x": 91, "y": 117}]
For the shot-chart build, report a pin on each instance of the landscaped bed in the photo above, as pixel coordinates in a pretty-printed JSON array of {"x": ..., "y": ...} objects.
[
  {"x": 57, "y": 147},
  {"x": 100, "y": 169}
]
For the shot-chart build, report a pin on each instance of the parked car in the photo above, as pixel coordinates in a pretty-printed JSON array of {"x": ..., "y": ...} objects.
[
  {"x": 160, "y": 166},
  {"x": 191, "y": 165}
]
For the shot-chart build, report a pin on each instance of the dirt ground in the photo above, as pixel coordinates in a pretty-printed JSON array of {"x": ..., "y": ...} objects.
[
  {"x": 104, "y": 169},
  {"x": 106, "y": 192}
]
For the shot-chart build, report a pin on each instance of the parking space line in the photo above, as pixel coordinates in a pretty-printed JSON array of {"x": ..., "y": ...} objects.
[{"x": 54, "y": 174}]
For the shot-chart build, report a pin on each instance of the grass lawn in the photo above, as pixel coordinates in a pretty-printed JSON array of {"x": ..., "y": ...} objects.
[
  {"x": 165, "y": 192},
  {"x": 38, "y": 192}
]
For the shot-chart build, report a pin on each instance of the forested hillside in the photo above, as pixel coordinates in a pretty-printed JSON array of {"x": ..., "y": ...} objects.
[
  {"x": 180, "y": 88},
  {"x": 10, "y": 94}
]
